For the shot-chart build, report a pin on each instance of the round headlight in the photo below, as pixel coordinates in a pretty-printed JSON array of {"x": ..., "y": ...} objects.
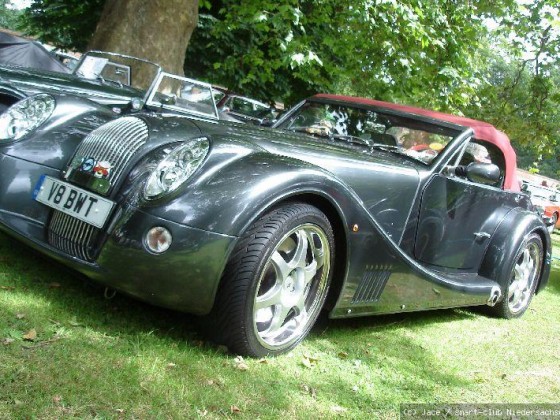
[
  {"x": 176, "y": 167},
  {"x": 25, "y": 116}
]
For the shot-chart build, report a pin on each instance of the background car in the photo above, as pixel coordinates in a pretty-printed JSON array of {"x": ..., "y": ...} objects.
[
  {"x": 257, "y": 230},
  {"x": 246, "y": 109},
  {"x": 119, "y": 82},
  {"x": 546, "y": 202},
  {"x": 69, "y": 60},
  {"x": 107, "y": 78}
]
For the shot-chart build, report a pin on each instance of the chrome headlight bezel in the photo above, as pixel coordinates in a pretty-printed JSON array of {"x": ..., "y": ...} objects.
[
  {"x": 177, "y": 165},
  {"x": 25, "y": 116}
]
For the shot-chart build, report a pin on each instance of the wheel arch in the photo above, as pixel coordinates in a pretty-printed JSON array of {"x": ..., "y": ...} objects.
[
  {"x": 317, "y": 188},
  {"x": 338, "y": 224},
  {"x": 506, "y": 240},
  {"x": 233, "y": 319}
]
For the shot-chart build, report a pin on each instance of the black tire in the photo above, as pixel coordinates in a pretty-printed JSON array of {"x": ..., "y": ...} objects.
[
  {"x": 274, "y": 267},
  {"x": 521, "y": 276}
]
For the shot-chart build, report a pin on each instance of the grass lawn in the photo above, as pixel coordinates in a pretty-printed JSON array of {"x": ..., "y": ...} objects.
[{"x": 65, "y": 351}]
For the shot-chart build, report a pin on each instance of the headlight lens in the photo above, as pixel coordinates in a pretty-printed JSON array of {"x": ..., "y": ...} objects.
[
  {"x": 25, "y": 115},
  {"x": 176, "y": 167}
]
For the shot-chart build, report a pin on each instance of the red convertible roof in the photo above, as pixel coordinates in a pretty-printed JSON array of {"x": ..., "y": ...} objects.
[{"x": 482, "y": 130}]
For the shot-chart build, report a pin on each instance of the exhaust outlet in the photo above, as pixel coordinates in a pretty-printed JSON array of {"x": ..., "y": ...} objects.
[{"x": 494, "y": 297}]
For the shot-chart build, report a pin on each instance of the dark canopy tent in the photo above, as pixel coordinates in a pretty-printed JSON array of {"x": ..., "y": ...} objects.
[{"x": 15, "y": 50}]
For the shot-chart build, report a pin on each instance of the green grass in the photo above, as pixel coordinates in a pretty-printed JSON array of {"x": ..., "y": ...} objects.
[{"x": 98, "y": 358}]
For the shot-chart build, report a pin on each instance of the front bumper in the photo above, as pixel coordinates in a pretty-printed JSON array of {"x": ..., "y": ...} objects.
[{"x": 184, "y": 278}]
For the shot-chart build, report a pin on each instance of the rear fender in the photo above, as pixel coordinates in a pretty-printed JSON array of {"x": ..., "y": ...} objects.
[{"x": 505, "y": 243}]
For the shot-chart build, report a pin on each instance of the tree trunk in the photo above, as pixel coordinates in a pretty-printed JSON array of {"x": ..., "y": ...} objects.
[{"x": 155, "y": 30}]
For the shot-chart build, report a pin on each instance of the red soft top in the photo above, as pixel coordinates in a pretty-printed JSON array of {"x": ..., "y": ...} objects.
[{"x": 482, "y": 130}]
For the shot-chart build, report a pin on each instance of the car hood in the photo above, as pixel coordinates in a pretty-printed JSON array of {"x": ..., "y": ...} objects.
[
  {"x": 383, "y": 182},
  {"x": 317, "y": 150},
  {"x": 32, "y": 81}
]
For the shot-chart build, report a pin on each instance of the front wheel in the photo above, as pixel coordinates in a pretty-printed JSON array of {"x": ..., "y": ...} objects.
[
  {"x": 276, "y": 282},
  {"x": 524, "y": 275}
]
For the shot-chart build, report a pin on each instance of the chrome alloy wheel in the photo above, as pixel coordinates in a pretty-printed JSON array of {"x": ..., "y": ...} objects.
[
  {"x": 292, "y": 288},
  {"x": 524, "y": 275}
]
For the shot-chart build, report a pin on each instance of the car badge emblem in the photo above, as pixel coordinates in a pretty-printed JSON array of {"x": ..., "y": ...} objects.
[
  {"x": 101, "y": 169},
  {"x": 87, "y": 164},
  {"x": 90, "y": 173}
]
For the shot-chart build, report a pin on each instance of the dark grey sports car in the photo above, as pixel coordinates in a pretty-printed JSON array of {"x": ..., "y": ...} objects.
[
  {"x": 120, "y": 82},
  {"x": 107, "y": 78},
  {"x": 350, "y": 205}
]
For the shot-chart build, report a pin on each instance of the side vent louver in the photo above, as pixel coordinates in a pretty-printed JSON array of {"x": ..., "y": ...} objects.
[{"x": 372, "y": 284}]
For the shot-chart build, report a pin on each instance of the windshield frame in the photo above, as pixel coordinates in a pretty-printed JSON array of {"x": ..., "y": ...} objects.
[
  {"x": 151, "y": 102},
  {"x": 99, "y": 54}
]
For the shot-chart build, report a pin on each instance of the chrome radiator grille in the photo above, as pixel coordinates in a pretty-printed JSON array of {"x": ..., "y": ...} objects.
[
  {"x": 115, "y": 142},
  {"x": 73, "y": 236}
]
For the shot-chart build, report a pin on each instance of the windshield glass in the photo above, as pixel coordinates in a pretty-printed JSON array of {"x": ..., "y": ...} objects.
[
  {"x": 415, "y": 138},
  {"x": 117, "y": 69},
  {"x": 183, "y": 95}
]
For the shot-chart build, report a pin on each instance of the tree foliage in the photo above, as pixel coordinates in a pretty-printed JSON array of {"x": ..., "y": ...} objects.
[
  {"x": 522, "y": 93},
  {"x": 422, "y": 51},
  {"x": 497, "y": 61},
  {"x": 9, "y": 16},
  {"x": 67, "y": 24}
]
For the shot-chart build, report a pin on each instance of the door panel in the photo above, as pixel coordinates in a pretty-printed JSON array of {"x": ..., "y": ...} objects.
[{"x": 457, "y": 218}]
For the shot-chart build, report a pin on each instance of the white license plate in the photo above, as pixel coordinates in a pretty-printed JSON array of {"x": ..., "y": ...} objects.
[{"x": 74, "y": 201}]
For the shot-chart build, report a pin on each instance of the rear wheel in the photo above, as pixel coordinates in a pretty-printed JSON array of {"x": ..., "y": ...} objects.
[
  {"x": 524, "y": 273},
  {"x": 276, "y": 282}
]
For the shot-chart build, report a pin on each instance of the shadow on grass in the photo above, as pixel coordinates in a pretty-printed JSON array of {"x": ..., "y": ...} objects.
[
  {"x": 72, "y": 293},
  {"x": 554, "y": 279},
  {"x": 398, "y": 368}
]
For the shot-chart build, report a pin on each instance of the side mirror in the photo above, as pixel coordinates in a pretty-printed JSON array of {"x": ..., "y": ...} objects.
[{"x": 483, "y": 173}]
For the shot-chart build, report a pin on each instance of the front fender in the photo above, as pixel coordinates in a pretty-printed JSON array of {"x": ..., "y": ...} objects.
[
  {"x": 239, "y": 184},
  {"x": 504, "y": 244}
]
